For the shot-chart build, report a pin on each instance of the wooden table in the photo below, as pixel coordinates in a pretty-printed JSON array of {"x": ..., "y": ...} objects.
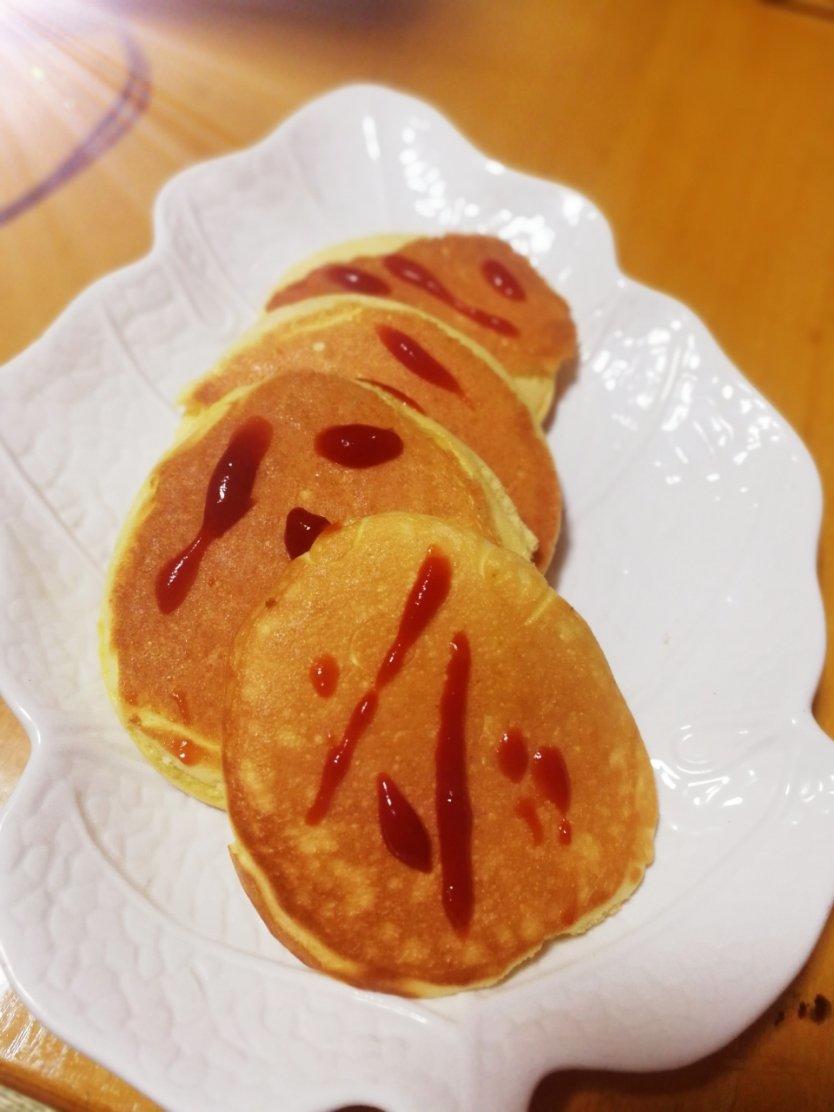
[{"x": 703, "y": 128}]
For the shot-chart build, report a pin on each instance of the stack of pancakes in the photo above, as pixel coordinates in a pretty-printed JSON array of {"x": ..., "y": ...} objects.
[{"x": 327, "y": 612}]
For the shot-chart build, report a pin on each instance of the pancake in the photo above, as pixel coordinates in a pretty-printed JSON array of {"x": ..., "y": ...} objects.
[
  {"x": 216, "y": 522},
  {"x": 476, "y": 283},
  {"x": 423, "y": 363},
  {"x": 466, "y": 783}
]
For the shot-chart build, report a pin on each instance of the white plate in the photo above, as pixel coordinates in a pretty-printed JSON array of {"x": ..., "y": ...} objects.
[{"x": 692, "y": 520}]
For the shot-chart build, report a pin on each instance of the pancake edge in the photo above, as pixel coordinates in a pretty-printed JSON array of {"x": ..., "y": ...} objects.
[
  {"x": 212, "y": 793},
  {"x": 512, "y": 532},
  {"x": 536, "y": 390},
  {"x": 341, "y": 307},
  {"x": 306, "y": 946}
]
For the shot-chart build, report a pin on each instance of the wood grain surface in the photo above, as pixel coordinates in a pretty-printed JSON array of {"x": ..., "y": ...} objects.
[{"x": 702, "y": 128}]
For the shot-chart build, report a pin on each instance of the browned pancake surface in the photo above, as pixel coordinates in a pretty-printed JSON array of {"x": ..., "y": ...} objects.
[
  {"x": 473, "y": 270},
  {"x": 423, "y": 365},
  {"x": 547, "y": 856},
  {"x": 173, "y": 666}
]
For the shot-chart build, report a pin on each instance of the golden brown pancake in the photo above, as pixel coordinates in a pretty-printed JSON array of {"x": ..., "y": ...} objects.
[
  {"x": 430, "y": 769},
  {"x": 421, "y": 362},
  {"x": 216, "y": 523},
  {"x": 476, "y": 283}
]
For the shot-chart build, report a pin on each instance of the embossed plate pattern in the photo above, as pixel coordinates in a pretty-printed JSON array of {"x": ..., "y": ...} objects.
[{"x": 692, "y": 521}]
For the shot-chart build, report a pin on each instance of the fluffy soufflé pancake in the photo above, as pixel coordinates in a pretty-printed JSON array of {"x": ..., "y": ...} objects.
[
  {"x": 430, "y": 769},
  {"x": 249, "y": 486},
  {"x": 476, "y": 283},
  {"x": 421, "y": 362}
]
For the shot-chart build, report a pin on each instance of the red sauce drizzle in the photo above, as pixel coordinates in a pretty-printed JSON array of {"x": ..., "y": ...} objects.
[
  {"x": 339, "y": 757},
  {"x": 301, "y": 530},
  {"x": 357, "y": 280},
  {"x": 550, "y": 774},
  {"x": 184, "y": 750},
  {"x": 427, "y": 595},
  {"x": 500, "y": 279},
  {"x": 416, "y": 359},
  {"x": 394, "y": 392},
  {"x": 358, "y": 446},
  {"x": 324, "y": 675},
  {"x": 417, "y": 275},
  {"x": 565, "y": 832},
  {"x": 454, "y": 810},
  {"x": 402, "y": 828},
  {"x": 350, "y": 278},
  {"x": 525, "y": 808},
  {"x": 228, "y": 499},
  {"x": 512, "y": 754}
]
